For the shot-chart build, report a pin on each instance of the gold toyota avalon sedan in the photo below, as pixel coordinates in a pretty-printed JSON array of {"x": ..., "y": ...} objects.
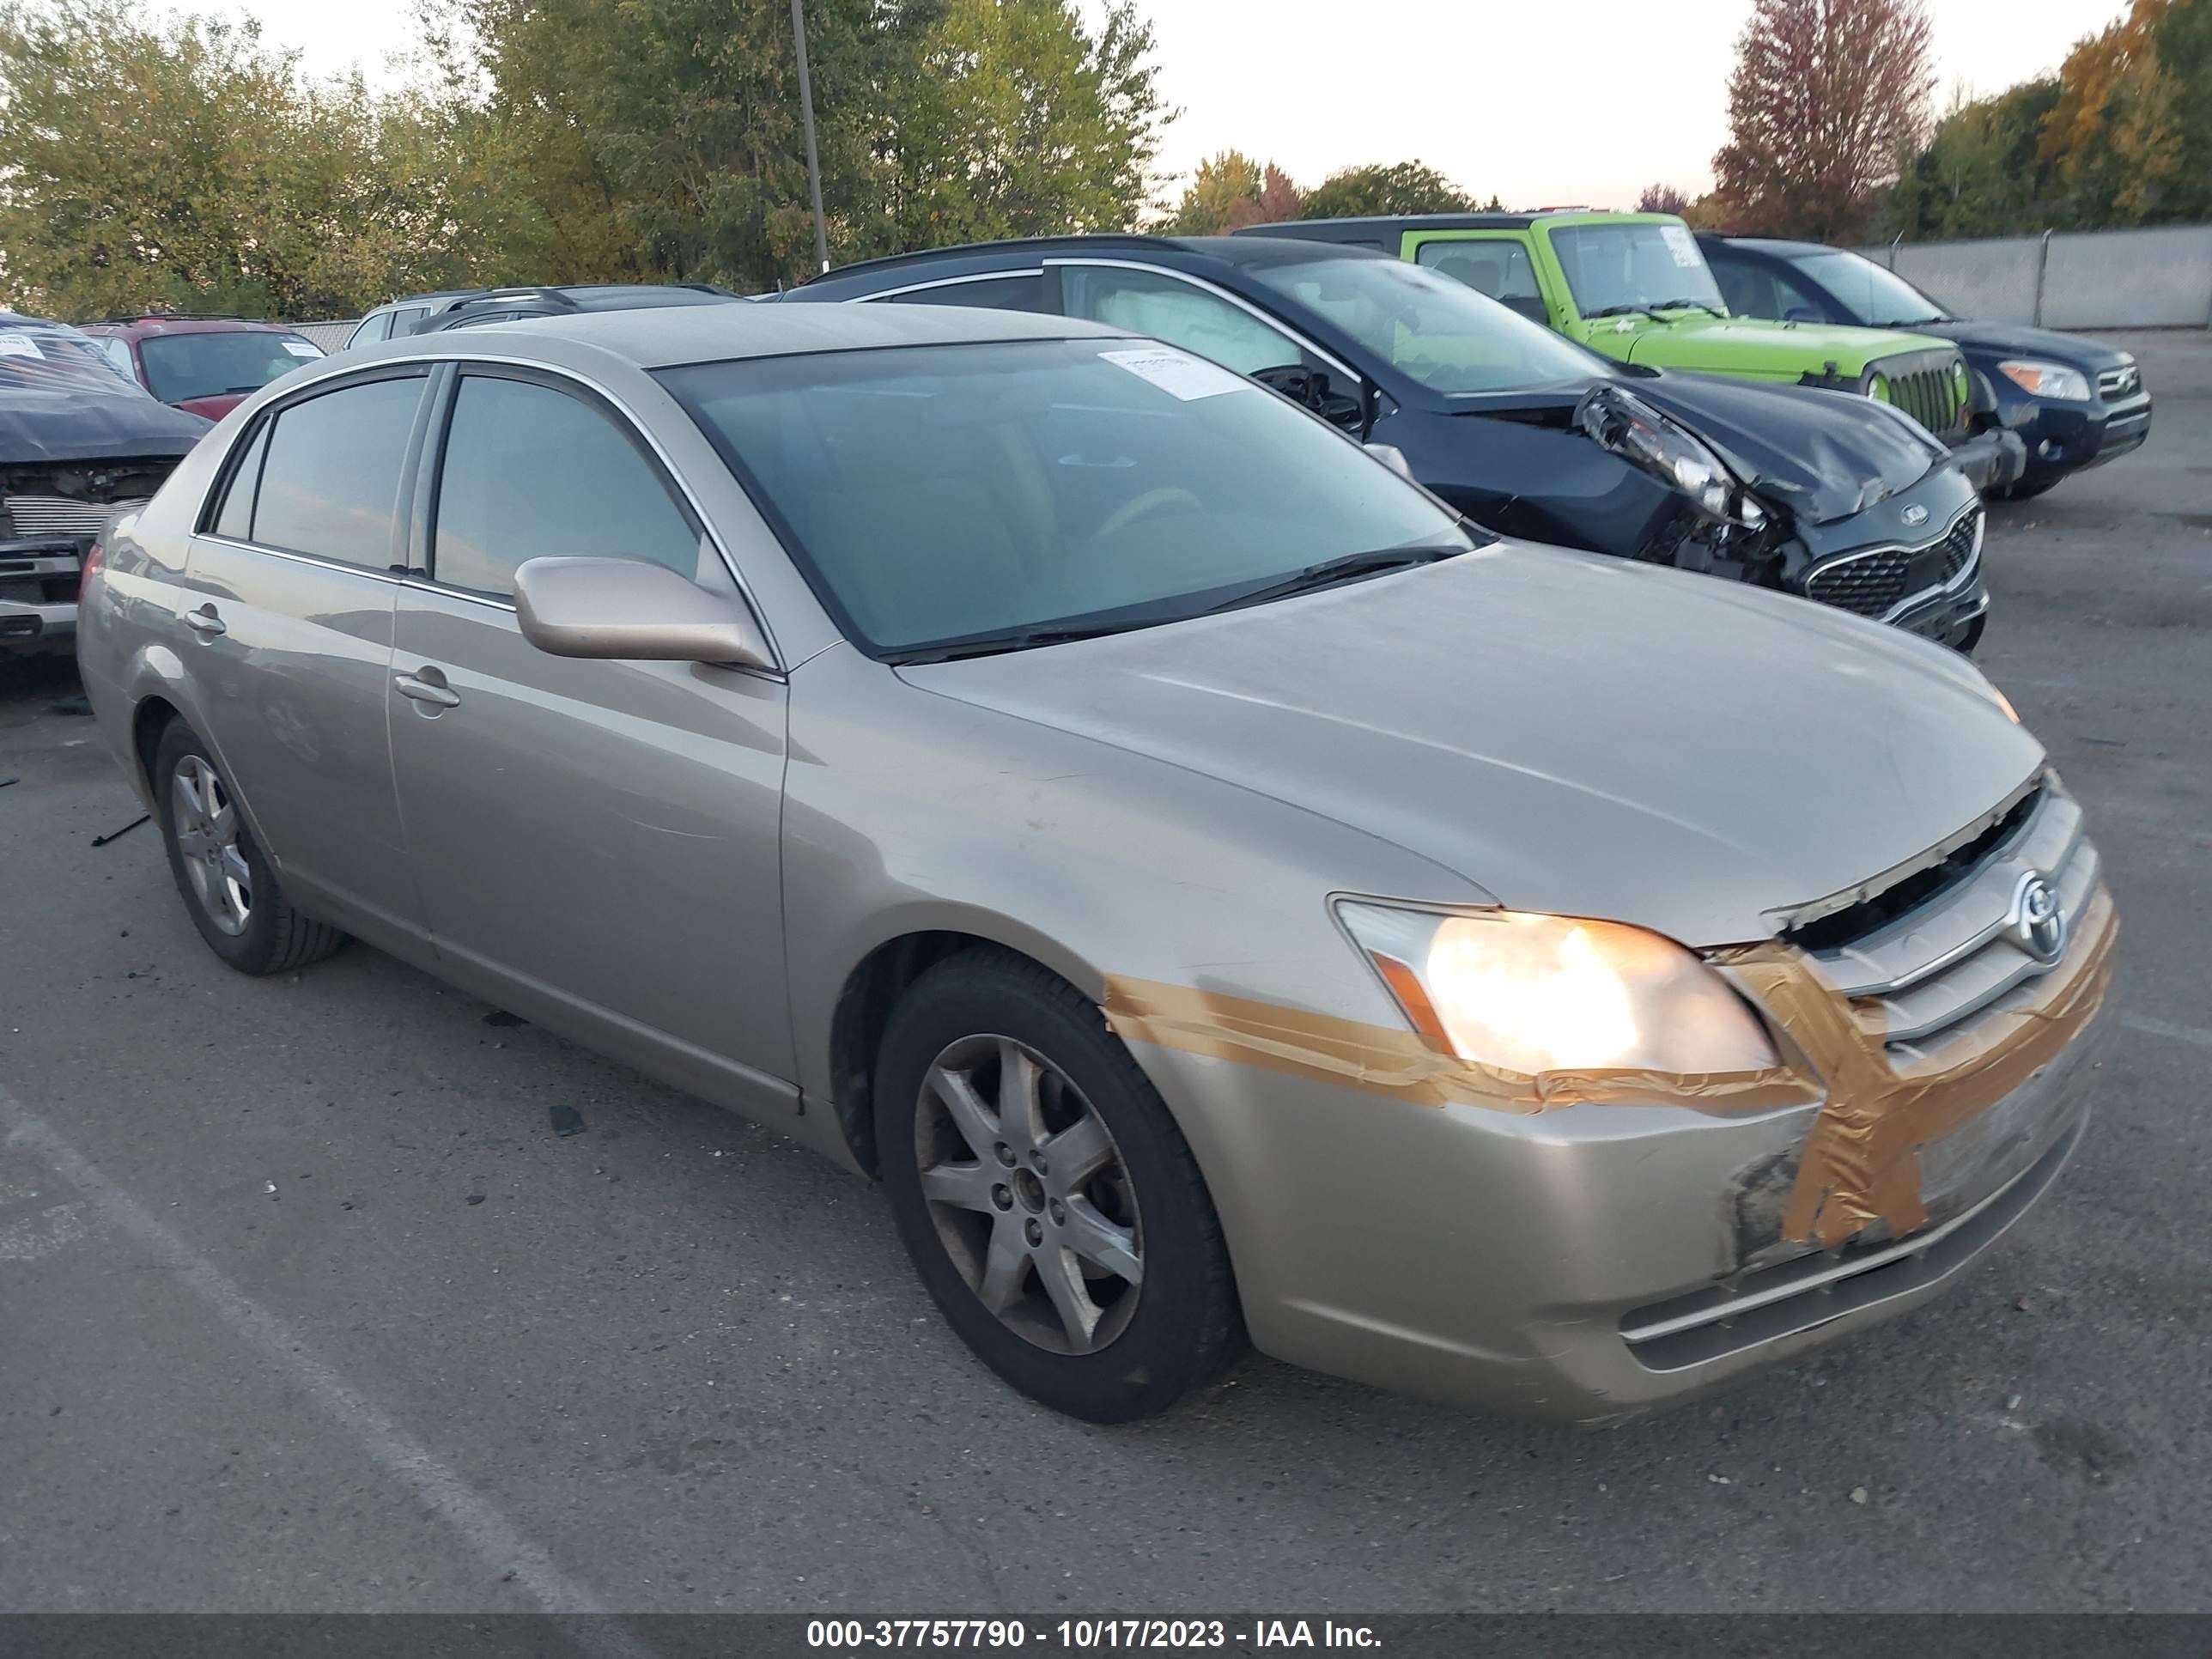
[{"x": 1217, "y": 891}]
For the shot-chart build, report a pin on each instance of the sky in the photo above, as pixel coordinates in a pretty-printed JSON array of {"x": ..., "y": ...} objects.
[{"x": 1543, "y": 102}]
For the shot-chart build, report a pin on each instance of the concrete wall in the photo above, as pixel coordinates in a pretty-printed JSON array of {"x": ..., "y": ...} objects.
[{"x": 2158, "y": 278}]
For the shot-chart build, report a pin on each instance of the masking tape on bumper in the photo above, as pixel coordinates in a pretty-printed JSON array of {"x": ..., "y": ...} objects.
[
  {"x": 1398, "y": 1063},
  {"x": 1861, "y": 1162}
]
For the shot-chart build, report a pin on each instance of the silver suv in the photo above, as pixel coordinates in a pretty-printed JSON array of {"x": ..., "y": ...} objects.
[{"x": 1211, "y": 889}]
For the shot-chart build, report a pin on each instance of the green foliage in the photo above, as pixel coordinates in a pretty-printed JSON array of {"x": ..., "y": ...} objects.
[
  {"x": 2122, "y": 136},
  {"x": 1407, "y": 187},
  {"x": 1023, "y": 122},
  {"x": 183, "y": 164}
]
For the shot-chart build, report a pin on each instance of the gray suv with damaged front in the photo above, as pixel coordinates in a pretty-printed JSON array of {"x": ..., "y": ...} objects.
[{"x": 1213, "y": 889}]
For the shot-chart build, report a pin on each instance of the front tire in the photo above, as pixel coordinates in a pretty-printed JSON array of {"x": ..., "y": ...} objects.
[
  {"x": 1050, "y": 1204},
  {"x": 229, "y": 889}
]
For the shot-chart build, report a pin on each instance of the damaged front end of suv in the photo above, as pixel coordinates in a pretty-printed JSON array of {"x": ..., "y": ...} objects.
[{"x": 78, "y": 443}]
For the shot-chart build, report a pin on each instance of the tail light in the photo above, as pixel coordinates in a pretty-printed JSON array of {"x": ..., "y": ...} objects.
[{"x": 94, "y": 556}]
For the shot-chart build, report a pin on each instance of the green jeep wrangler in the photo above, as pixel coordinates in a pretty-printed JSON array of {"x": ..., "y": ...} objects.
[{"x": 1635, "y": 287}]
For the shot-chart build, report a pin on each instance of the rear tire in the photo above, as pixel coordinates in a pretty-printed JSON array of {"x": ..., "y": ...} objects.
[
  {"x": 1027, "y": 1240},
  {"x": 229, "y": 890}
]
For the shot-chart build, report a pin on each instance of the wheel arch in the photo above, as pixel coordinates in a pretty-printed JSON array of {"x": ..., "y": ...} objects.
[{"x": 871, "y": 988}]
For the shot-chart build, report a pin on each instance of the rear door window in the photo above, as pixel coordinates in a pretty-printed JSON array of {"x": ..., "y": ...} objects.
[
  {"x": 330, "y": 481},
  {"x": 531, "y": 472},
  {"x": 1181, "y": 313}
]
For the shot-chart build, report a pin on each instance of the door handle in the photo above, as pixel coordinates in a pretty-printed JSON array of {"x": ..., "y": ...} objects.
[
  {"x": 205, "y": 621},
  {"x": 429, "y": 691}
]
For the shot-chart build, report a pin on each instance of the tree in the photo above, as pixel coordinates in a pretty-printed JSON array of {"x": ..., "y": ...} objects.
[
  {"x": 183, "y": 164},
  {"x": 1828, "y": 100},
  {"x": 1024, "y": 122},
  {"x": 1663, "y": 198},
  {"x": 1222, "y": 187},
  {"x": 1980, "y": 174},
  {"x": 1407, "y": 187}
]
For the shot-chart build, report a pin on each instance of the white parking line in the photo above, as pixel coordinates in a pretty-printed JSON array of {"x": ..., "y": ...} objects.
[
  {"x": 2144, "y": 1023},
  {"x": 495, "y": 1541}
]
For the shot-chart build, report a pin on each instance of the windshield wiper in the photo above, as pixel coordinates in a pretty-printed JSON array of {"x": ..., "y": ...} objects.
[
  {"x": 1687, "y": 304},
  {"x": 1653, "y": 309},
  {"x": 1329, "y": 572},
  {"x": 1011, "y": 639}
]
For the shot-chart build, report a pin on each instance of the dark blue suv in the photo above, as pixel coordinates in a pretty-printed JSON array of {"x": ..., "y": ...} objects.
[
  {"x": 1825, "y": 494},
  {"x": 2075, "y": 403}
]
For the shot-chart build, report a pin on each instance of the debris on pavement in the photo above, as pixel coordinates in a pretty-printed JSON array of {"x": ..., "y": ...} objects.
[
  {"x": 566, "y": 1120},
  {"x": 103, "y": 840}
]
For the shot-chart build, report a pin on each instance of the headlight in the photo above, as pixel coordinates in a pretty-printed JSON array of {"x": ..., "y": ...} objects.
[
  {"x": 1532, "y": 993},
  {"x": 1878, "y": 388},
  {"x": 2048, "y": 380},
  {"x": 1624, "y": 423}
]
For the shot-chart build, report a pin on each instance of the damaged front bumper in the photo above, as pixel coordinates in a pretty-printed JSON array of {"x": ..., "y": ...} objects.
[
  {"x": 1600, "y": 1260},
  {"x": 1992, "y": 460},
  {"x": 38, "y": 595}
]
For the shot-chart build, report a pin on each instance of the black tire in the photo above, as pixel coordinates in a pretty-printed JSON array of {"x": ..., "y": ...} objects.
[
  {"x": 274, "y": 938},
  {"x": 2027, "y": 489},
  {"x": 1185, "y": 1326}
]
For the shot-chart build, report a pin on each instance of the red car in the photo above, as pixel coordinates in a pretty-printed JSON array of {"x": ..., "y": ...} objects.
[{"x": 208, "y": 365}]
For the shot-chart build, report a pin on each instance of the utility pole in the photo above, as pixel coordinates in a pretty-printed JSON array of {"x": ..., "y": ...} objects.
[{"x": 807, "y": 118}]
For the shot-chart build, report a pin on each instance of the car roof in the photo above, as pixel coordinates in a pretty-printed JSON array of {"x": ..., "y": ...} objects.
[
  {"x": 663, "y": 336},
  {"x": 1231, "y": 250},
  {"x": 1773, "y": 244},
  {"x": 1418, "y": 222},
  {"x": 148, "y": 327}
]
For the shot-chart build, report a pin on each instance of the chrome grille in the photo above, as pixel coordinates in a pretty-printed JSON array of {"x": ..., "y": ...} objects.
[
  {"x": 2116, "y": 385},
  {"x": 1883, "y": 580},
  {"x": 1929, "y": 971},
  {"x": 63, "y": 516}
]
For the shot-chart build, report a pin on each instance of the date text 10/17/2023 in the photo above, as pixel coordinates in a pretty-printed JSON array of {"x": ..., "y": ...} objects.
[{"x": 1083, "y": 1635}]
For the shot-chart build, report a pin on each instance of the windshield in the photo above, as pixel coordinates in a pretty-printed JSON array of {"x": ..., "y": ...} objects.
[
  {"x": 48, "y": 357},
  {"x": 1880, "y": 297},
  {"x": 1439, "y": 331},
  {"x": 180, "y": 366},
  {"x": 937, "y": 494},
  {"x": 1612, "y": 268}
]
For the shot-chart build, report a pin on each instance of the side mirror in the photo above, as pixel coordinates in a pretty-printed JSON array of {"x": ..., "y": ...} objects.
[
  {"x": 1313, "y": 388},
  {"x": 632, "y": 611}
]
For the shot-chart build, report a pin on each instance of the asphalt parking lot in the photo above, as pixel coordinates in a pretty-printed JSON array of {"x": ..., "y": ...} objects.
[{"x": 334, "y": 1292}]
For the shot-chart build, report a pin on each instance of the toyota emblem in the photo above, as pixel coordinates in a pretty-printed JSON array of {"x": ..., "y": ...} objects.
[{"x": 2038, "y": 924}]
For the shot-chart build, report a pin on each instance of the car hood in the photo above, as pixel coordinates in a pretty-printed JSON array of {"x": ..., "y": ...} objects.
[
  {"x": 1575, "y": 735},
  {"x": 1824, "y": 455},
  {"x": 2006, "y": 340},
  {"x": 1751, "y": 345},
  {"x": 40, "y": 428}
]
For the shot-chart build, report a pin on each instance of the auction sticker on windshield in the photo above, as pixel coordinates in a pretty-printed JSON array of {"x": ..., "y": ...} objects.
[
  {"x": 302, "y": 348},
  {"x": 1683, "y": 246},
  {"x": 1177, "y": 374},
  {"x": 19, "y": 345}
]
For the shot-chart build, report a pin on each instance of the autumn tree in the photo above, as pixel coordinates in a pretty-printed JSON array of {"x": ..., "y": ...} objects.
[
  {"x": 1828, "y": 100},
  {"x": 1229, "y": 191},
  {"x": 1406, "y": 187},
  {"x": 1663, "y": 198}
]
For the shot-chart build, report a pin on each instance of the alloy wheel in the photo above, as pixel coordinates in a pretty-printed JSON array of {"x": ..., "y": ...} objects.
[
  {"x": 205, "y": 823},
  {"x": 1029, "y": 1195}
]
